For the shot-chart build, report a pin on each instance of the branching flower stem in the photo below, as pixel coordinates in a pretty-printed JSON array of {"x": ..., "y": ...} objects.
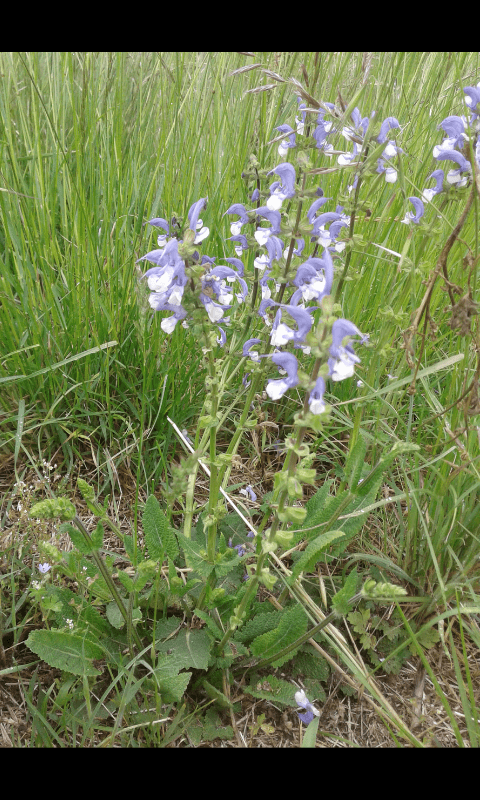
[{"x": 111, "y": 586}]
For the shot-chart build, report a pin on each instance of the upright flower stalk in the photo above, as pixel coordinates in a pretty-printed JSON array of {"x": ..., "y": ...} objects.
[{"x": 273, "y": 302}]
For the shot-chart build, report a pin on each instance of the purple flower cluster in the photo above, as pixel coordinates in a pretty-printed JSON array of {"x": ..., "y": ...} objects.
[
  {"x": 168, "y": 279},
  {"x": 456, "y": 130}
]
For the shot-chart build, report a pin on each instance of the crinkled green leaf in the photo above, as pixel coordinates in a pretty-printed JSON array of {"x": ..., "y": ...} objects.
[
  {"x": 293, "y": 624},
  {"x": 341, "y": 598},
  {"x": 173, "y": 688},
  {"x": 196, "y": 557},
  {"x": 309, "y": 558},
  {"x": 355, "y": 463},
  {"x": 272, "y": 688},
  {"x": 114, "y": 615},
  {"x": 188, "y": 649},
  {"x": 159, "y": 536},
  {"x": 66, "y": 651},
  {"x": 261, "y": 623}
]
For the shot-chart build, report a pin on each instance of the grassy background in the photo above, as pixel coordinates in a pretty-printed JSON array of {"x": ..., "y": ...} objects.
[
  {"x": 92, "y": 145},
  {"x": 95, "y": 144}
]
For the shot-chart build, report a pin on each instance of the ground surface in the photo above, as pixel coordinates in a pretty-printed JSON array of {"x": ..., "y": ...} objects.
[{"x": 345, "y": 721}]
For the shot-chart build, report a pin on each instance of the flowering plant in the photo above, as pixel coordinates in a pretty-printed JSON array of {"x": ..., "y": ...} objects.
[{"x": 269, "y": 324}]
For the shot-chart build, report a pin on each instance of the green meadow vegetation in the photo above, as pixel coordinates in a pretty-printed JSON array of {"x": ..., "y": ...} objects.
[{"x": 125, "y": 639}]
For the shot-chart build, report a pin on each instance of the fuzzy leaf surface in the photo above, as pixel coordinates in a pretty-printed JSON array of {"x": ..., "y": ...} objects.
[
  {"x": 293, "y": 624},
  {"x": 189, "y": 649},
  {"x": 65, "y": 651},
  {"x": 159, "y": 537},
  {"x": 309, "y": 558}
]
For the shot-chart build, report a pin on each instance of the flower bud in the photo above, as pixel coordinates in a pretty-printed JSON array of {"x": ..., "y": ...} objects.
[{"x": 59, "y": 507}]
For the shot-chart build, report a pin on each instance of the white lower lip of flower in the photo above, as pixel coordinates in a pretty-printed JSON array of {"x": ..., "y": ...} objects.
[
  {"x": 261, "y": 262},
  {"x": 274, "y": 202},
  {"x": 276, "y": 389},
  {"x": 390, "y": 151},
  {"x": 281, "y": 335},
  {"x": 175, "y": 298},
  {"x": 428, "y": 195},
  {"x": 262, "y": 237},
  {"x": 201, "y": 235},
  {"x": 168, "y": 325},
  {"x": 160, "y": 283},
  {"x": 235, "y": 228},
  {"x": 214, "y": 312},
  {"x": 343, "y": 368},
  {"x": 317, "y": 406},
  {"x": 152, "y": 301},
  {"x": 390, "y": 175}
]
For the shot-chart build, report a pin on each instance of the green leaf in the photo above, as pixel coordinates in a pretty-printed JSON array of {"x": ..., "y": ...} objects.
[
  {"x": 125, "y": 580},
  {"x": 261, "y": 623},
  {"x": 65, "y": 651},
  {"x": 293, "y": 624},
  {"x": 340, "y": 599},
  {"x": 114, "y": 615},
  {"x": 97, "y": 537},
  {"x": 217, "y": 695},
  {"x": 359, "y": 619},
  {"x": 159, "y": 537},
  {"x": 129, "y": 546},
  {"x": 196, "y": 557},
  {"x": 310, "y": 735},
  {"x": 427, "y": 637},
  {"x": 274, "y": 689},
  {"x": 188, "y": 649},
  {"x": 355, "y": 463},
  {"x": 80, "y": 541},
  {"x": 173, "y": 688},
  {"x": 308, "y": 560}
]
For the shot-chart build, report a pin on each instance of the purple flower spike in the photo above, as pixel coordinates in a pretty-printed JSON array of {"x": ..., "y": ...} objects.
[
  {"x": 239, "y": 209},
  {"x": 272, "y": 216},
  {"x": 291, "y": 138},
  {"x": 452, "y": 155},
  {"x": 315, "y": 401},
  {"x": 194, "y": 213},
  {"x": 324, "y": 219},
  {"x": 387, "y": 124},
  {"x": 286, "y": 173},
  {"x": 288, "y": 362},
  {"x": 453, "y": 126},
  {"x": 274, "y": 247},
  {"x": 429, "y": 194},
  {"x": 247, "y": 347},
  {"x": 248, "y": 492},
  {"x": 241, "y": 239},
  {"x": 235, "y": 262},
  {"x": 314, "y": 208},
  {"x": 419, "y": 211},
  {"x": 158, "y": 222},
  {"x": 343, "y": 359},
  {"x": 473, "y": 97}
]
